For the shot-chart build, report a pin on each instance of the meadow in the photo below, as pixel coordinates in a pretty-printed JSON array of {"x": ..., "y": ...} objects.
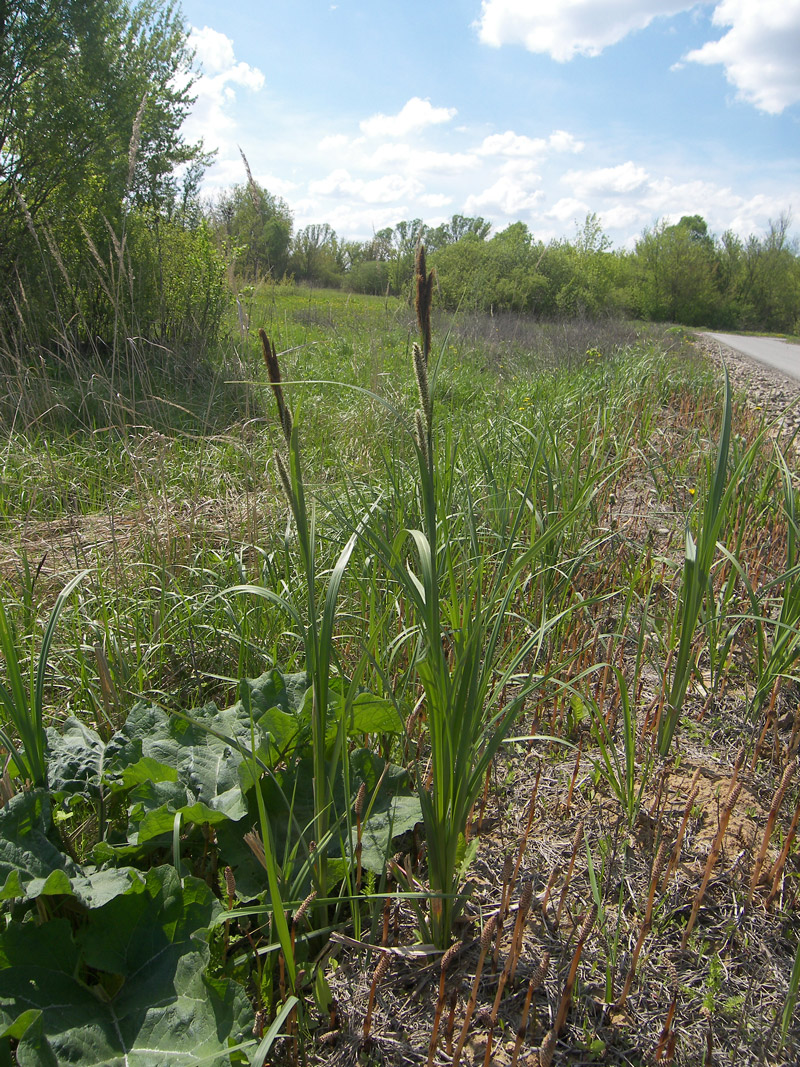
[{"x": 392, "y": 686}]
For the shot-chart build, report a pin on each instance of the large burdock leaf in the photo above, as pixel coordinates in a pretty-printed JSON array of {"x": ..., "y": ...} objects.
[
  {"x": 127, "y": 990},
  {"x": 31, "y": 865}
]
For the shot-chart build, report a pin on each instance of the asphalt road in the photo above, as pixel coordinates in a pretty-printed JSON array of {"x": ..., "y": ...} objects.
[{"x": 783, "y": 355}]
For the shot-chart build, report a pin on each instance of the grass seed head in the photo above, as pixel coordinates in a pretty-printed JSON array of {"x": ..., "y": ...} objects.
[
  {"x": 422, "y": 435},
  {"x": 283, "y": 474}
]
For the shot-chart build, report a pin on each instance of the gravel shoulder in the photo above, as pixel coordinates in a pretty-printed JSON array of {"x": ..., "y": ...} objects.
[{"x": 766, "y": 388}]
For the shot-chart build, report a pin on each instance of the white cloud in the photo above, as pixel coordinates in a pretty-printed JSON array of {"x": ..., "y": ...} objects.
[
  {"x": 760, "y": 52},
  {"x": 211, "y": 117},
  {"x": 387, "y": 190},
  {"x": 517, "y": 145},
  {"x": 416, "y": 161},
  {"x": 334, "y": 142},
  {"x": 571, "y": 27},
  {"x": 624, "y": 217},
  {"x": 623, "y": 179},
  {"x": 567, "y": 208},
  {"x": 509, "y": 196},
  {"x": 434, "y": 200},
  {"x": 414, "y": 115},
  {"x": 561, "y": 141}
]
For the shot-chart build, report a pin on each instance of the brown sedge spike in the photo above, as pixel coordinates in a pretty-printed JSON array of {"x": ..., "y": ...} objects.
[
  {"x": 716, "y": 848},
  {"x": 694, "y": 789},
  {"x": 780, "y": 863},
  {"x": 536, "y": 980},
  {"x": 644, "y": 930},
  {"x": 566, "y": 997},
  {"x": 486, "y": 941},
  {"x": 447, "y": 960},
  {"x": 380, "y": 972},
  {"x": 424, "y": 294},
  {"x": 274, "y": 375},
  {"x": 777, "y": 800},
  {"x": 576, "y": 842}
]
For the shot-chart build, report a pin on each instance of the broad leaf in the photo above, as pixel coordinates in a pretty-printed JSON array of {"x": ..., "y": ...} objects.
[
  {"x": 31, "y": 864},
  {"x": 128, "y": 990}
]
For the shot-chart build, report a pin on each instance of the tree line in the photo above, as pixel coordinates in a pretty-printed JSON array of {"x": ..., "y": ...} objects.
[
  {"x": 105, "y": 237},
  {"x": 676, "y": 272}
]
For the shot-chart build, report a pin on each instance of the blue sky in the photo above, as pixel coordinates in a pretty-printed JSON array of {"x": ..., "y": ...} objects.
[{"x": 361, "y": 113}]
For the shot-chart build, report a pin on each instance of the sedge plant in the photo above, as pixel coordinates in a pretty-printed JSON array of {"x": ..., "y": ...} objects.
[
  {"x": 316, "y": 624},
  {"x": 22, "y": 725},
  {"x": 463, "y": 600},
  {"x": 699, "y": 560}
]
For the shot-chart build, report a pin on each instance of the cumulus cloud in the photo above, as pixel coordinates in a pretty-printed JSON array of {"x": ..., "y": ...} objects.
[
  {"x": 414, "y": 115},
  {"x": 623, "y": 179},
  {"x": 211, "y": 117},
  {"x": 387, "y": 190},
  {"x": 567, "y": 208},
  {"x": 564, "y": 30},
  {"x": 624, "y": 217},
  {"x": 334, "y": 142},
  {"x": 759, "y": 52},
  {"x": 405, "y": 157},
  {"x": 510, "y": 196},
  {"x": 518, "y": 145},
  {"x": 434, "y": 200}
]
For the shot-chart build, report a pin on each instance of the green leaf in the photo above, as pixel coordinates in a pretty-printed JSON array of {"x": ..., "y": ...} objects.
[
  {"x": 374, "y": 715},
  {"x": 76, "y": 757},
  {"x": 128, "y": 990},
  {"x": 31, "y": 865}
]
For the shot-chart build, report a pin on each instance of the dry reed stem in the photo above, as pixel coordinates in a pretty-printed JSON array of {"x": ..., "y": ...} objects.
[
  {"x": 576, "y": 841},
  {"x": 380, "y": 971},
  {"x": 694, "y": 788},
  {"x": 446, "y": 960},
  {"x": 777, "y": 800},
  {"x": 713, "y": 856},
  {"x": 780, "y": 863},
  {"x": 486, "y": 941},
  {"x": 536, "y": 980},
  {"x": 566, "y": 997}
]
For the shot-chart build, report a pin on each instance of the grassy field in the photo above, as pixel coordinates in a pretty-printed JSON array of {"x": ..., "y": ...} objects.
[{"x": 517, "y": 772}]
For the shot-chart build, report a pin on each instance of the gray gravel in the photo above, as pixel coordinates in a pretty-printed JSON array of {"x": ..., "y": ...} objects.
[
  {"x": 774, "y": 351},
  {"x": 767, "y": 388}
]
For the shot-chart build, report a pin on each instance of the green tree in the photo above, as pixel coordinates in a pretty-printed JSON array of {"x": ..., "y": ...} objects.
[
  {"x": 676, "y": 271},
  {"x": 316, "y": 255},
  {"x": 256, "y": 228},
  {"x": 93, "y": 94}
]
